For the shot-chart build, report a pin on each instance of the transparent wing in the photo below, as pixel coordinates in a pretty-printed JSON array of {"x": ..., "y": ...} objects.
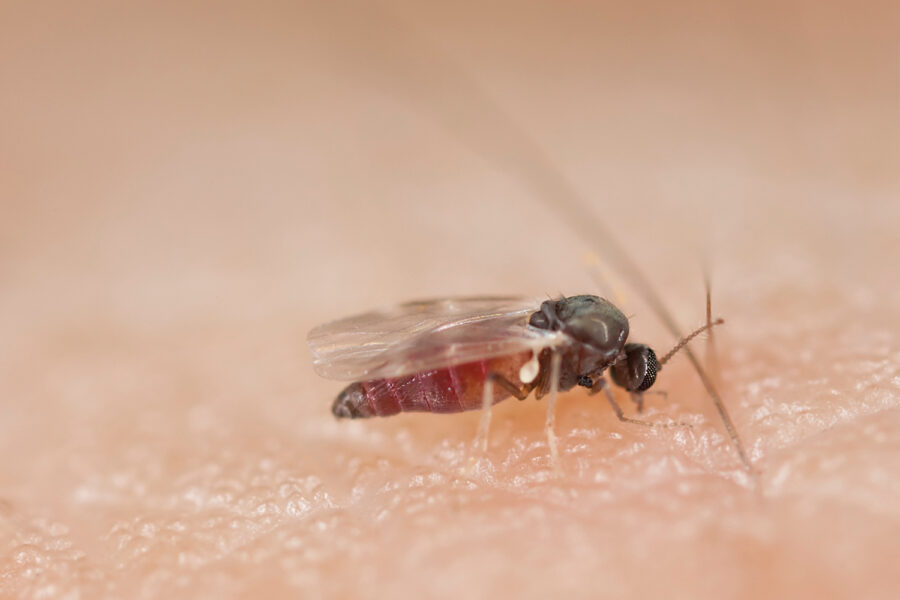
[{"x": 418, "y": 336}]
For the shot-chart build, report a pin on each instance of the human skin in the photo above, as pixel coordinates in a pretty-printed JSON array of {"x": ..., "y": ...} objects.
[{"x": 187, "y": 190}]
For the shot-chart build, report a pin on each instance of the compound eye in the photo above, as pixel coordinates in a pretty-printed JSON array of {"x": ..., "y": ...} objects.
[
  {"x": 638, "y": 371},
  {"x": 652, "y": 368}
]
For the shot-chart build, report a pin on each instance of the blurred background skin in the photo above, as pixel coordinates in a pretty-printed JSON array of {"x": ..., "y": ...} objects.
[{"x": 187, "y": 188}]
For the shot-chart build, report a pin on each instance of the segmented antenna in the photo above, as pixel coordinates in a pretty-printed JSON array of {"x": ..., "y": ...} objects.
[{"x": 687, "y": 339}]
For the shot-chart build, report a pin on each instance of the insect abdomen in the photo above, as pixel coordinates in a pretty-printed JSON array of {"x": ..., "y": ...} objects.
[{"x": 452, "y": 389}]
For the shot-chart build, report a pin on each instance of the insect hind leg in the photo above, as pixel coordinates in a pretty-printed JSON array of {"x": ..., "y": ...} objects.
[
  {"x": 492, "y": 379},
  {"x": 517, "y": 392}
]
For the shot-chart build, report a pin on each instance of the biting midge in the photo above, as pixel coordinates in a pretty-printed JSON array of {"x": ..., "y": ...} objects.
[{"x": 588, "y": 333}]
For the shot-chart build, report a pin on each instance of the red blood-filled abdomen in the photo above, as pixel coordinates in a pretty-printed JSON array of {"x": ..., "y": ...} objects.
[{"x": 448, "y": 390}]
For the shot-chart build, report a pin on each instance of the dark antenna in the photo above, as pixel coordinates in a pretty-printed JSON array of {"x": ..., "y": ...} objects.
[
  {"x": 428, "y": 77},
  {"x": 688, "y": 338}
]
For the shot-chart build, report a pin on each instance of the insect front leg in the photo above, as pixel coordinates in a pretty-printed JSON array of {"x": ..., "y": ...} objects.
[
  {"x": 601, "y": 385},
  {"x": 638, "y": 397}
]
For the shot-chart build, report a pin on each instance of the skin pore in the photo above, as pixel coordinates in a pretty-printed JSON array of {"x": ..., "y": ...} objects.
[{"x": 189, "y": 189}]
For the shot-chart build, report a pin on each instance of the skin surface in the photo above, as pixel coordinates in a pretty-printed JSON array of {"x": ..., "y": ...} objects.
[{"x": 186, "y": 190}]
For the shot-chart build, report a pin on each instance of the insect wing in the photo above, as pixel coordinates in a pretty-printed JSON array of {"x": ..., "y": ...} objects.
[{"x": 420, "y": 336}]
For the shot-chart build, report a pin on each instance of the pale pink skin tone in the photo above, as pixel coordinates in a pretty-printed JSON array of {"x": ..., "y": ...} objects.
[{"x": 186, "y": 192}]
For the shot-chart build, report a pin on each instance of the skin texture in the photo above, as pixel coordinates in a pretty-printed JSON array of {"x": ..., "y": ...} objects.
[{"x": 188, "y": 189}]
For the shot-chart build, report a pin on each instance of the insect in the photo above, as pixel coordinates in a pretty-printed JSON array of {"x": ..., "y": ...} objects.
[
  {"x": 427, "y": 77},
  {"x": 453, "y": 355}
]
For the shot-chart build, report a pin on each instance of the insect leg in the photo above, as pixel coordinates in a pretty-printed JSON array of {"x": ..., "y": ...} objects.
[
  {"x": 484, "y": 425},
  {"x": 602, "y": 385},
  {"x": 487, "y": 401},
  {"x": 638, "y": 397},
  {"x": 550, "y": 426},
  {"x": 519, "y": 393}
]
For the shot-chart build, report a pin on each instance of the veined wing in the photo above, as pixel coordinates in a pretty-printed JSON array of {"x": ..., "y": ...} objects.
[{"x": 420, "y": 336}]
